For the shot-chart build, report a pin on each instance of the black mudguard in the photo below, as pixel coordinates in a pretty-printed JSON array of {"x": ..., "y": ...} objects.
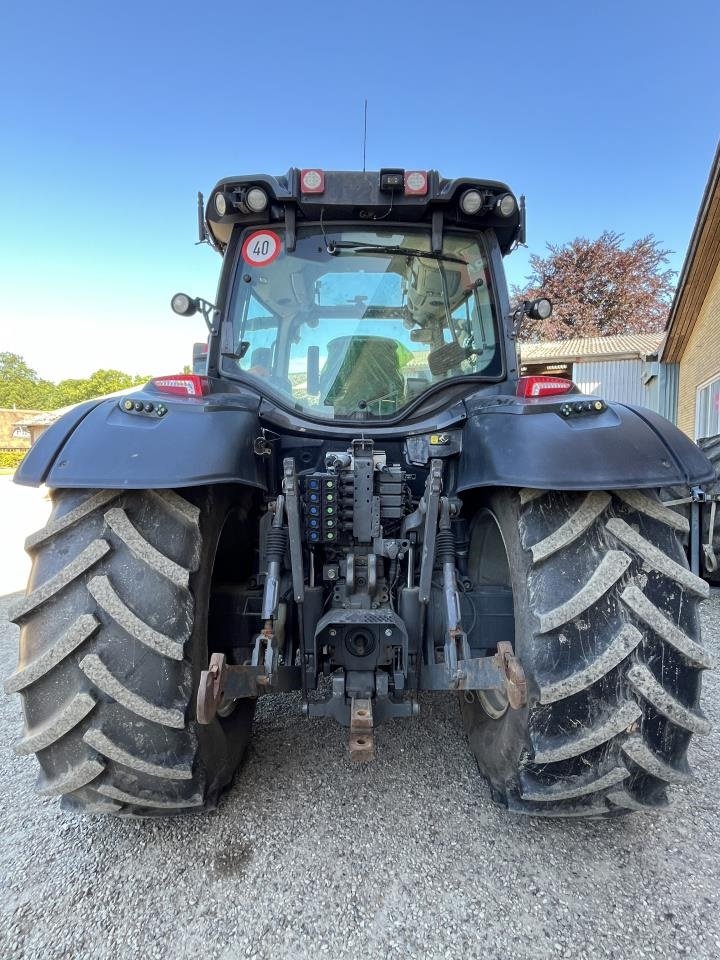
[
  {"x": 196, "y": 442},
  {"x": 513, "y": 442}
]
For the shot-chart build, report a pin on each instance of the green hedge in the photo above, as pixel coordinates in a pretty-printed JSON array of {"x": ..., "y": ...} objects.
[{"x": 11, "y": 458}]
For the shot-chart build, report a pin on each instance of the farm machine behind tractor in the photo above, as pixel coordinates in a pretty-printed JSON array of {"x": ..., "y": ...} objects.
[{"x": 357, "y": 497}]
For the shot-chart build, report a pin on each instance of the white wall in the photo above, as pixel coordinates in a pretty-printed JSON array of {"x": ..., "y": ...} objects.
[{"x": 619, "y": 380}]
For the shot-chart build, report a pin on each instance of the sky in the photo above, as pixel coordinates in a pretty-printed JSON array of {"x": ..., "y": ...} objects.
[{"x": 112, "y": 117}]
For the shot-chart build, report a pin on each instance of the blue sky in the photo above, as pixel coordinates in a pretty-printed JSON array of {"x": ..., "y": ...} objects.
[{"x": 605, "y": 115}]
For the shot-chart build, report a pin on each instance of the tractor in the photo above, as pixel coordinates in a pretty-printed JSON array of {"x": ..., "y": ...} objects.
[{"x": 359, "y": 499}]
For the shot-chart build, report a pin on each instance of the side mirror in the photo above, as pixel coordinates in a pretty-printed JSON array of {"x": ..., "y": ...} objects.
[
  {"x": 184, "y": 305},
  {"x": 313, "y": 371},
  {"x": 200, "y": 357}
]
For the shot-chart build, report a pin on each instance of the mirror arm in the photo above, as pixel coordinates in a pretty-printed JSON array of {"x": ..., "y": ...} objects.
[
  {"x": 517, "y": 317},
  {"x": 207, "y": 309}
]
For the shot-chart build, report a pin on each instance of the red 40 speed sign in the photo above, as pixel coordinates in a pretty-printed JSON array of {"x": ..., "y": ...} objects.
[{"x": 261, "y": 248}]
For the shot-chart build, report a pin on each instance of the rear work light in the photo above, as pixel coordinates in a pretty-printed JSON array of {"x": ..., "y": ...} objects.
[
  {"x": 543, "y": 386},
  {"x": 182, "y": 385}
]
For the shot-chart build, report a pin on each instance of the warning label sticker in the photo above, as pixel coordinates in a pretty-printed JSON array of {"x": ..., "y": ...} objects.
[{"x": 261, "y": 248}]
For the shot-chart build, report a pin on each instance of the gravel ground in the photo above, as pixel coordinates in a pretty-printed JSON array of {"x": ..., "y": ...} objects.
[{"x": 311, "y": 856}]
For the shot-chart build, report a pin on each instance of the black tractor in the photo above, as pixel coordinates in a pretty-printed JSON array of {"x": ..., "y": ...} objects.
[{"x": 360, "y": 499}]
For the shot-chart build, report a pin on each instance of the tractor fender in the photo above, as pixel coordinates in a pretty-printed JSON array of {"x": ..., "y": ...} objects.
[
  {"x": 514, "y": 442},
  {"x": 196, "y": 441}
]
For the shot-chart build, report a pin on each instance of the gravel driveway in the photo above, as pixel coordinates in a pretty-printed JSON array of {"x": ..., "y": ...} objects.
[{"x": 311, "y": 856}]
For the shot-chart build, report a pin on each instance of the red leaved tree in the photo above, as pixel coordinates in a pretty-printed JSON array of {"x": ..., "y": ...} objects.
[{"x": 599, "y": 288}]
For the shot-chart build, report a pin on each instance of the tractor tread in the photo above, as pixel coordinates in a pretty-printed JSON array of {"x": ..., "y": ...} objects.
[
  {"x": 82, "y": 562},
  {"x": 118, "y": 754},
  {"x": 656, "y": 558},
  {"x": 643, "y": 756},
  {"x": 645, "y": 684},
  {"x": 114, "y": 631},
  {"x": 534, "y": 789},
  {"x": 528, "y": 494},
  {"x": 122, "y": 527},
  {"x": 75, "y": 777},
  {"x": 612, "y": 566},
  {"x": 589, "y": 808},
  {"x": 107, "y": 599},
  {"x": 626, "y": 800},
  {"x": 710, "y": 446},
  {"x": 625, "y": 641},
  {"x": 179, "y": 506},
  {"x": 575, "y": 526},
  {"x": 80, "y": 631},
  {"x": 653, "y": 508},
  {"x": 136, "y": 800},
  {"x": 57, "y": 725},
  {"x": 97, "y": 672},
  {"x": 550, "y": 749},
  {"x": 59, "y": 525},
  {"x": 613, "y": 673},
  {"x": 646, "y": 611}
]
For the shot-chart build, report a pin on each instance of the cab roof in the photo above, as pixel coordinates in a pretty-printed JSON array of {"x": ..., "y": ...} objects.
[{"x": 391, "y": 194}]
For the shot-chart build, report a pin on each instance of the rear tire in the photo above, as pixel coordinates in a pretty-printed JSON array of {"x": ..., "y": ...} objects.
[
  {"x": 113, "y": 639},
  {"x": 710, "y": 446},
  {"x": 606, "y": 627}
]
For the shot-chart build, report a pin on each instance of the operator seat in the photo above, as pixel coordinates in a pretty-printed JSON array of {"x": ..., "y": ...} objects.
[{"x": 360, "y": 372}]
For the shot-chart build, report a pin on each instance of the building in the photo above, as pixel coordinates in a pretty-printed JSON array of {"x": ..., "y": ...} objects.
[
  {"x": 622, "y": 368},
  {"x": 37, "y": 424},
  {"x": 693, "y": 330},
  {"x": 14, "y": 434}
]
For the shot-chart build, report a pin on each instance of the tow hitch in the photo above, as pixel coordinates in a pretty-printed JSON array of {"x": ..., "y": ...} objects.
[
  {"x": 362, "y": 742},
  {"x": 223, "y": 683},
  {"x": 513, "y": 674}
]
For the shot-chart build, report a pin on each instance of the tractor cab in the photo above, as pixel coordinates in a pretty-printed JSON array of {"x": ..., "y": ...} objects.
[{"x": 364, "y": 294}]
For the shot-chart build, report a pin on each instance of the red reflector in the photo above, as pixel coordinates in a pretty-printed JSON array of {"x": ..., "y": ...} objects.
[
  {"x": 542, "y": 386},
  {"x": 416, "y": 183},
  {"x": 312, "y": 181},
  {"x": 182, "y": 384}
]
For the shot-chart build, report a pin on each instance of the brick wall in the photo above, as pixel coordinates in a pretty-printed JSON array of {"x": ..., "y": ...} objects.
[{"x": 701, "y": 358}]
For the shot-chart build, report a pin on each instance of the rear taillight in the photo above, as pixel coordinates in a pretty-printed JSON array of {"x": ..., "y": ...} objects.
[
  {"x": 416, "y": 183},
  {"x": 312, "y": 181},
  {"x": 543, "y": 386},
  {"x": 182, "y": 385}
]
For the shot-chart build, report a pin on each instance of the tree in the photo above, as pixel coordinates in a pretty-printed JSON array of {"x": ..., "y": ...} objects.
[
  {"x": 599, "y": 288},
  {"x": 21, "y": 386},
  {"x": 96, "y": 385}
]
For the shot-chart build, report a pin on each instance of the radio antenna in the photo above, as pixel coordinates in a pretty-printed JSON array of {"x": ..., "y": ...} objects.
[{"x": 365, "y": 136}]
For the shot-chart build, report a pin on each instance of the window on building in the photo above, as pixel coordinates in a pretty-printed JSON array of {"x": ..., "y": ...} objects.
[{"x": 707, "y": 410}]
